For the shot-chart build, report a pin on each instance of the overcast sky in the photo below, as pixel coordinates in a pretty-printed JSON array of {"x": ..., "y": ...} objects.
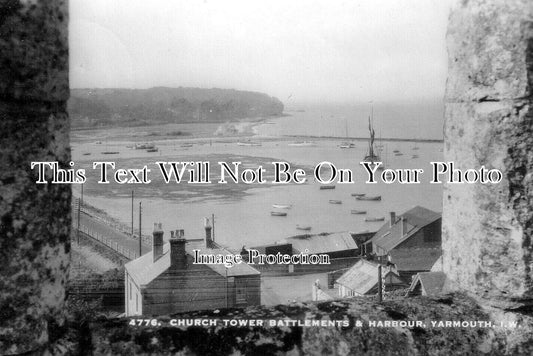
[{"x": 328, "y": 51}]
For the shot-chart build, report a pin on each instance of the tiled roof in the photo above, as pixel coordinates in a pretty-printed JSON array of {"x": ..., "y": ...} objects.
[
  {"x": 432, "y": 283},
  {"x": 406, "y": 225},
  {"x": 363, "y": 276},
  {"x": 323, "y": 243},
  {"x": 415, "y": 259},
  {"x": 144, "y": 270}
]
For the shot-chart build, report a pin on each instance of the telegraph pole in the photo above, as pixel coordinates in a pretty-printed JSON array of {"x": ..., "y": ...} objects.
[
  {"x": 132, "y": 214},
  {"x": 213, "y": 224},
  {"x": 140, "y": 231},
  {"x": 380, "y": 285},
  {"x": 227, "y": 301}
]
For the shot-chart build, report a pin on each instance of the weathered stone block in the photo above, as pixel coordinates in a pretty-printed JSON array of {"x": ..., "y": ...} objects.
[
  {"x": 487, "y": 229},
  {"x": 34, "y": 219}
]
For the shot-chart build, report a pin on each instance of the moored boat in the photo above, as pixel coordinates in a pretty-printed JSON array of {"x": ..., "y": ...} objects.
[
  {"x": 144, "y": 146},
  {"x": 302, "y": 144},
  {"x": 369, "y": 197},
  {"x": 278, "y": 213},
  {"x": 281, "y": 206},
  {"x": 347, "y": 145},
  {"x": 110, "y": 152},
  {"x": 358, "y": 194},
  {"x": 248, "y": 144},
  {"x": 155, "y": 149},
  {"x": 380, "y": 218},
  {"x": 358, "y": 212},
  {"x": 334, "y": 201},
  {"x": 303, "y": 227},
  {"x": 372, "y": 156},
  {"x": 322, "y": 187}
]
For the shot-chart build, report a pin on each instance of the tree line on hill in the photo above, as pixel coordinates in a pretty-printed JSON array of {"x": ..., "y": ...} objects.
[{"x": 135, "y": 107}]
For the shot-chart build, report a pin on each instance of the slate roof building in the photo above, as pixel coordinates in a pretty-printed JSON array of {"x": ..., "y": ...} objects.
[
  {"x": 340, "y": 247},
  {"x": 336, "y": 245},
  {"x": 411, "y": 241},
  {"x": 362, "y": 279},
  {"x": 410, "y": 261},
  {"x": 418, "y": 227},
  {"x": 165, "y": 280},
  {"x": 428, "y": 284}
]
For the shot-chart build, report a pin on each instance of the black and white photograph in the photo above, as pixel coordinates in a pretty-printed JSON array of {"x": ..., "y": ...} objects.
[{"x": 201, "y": 177}]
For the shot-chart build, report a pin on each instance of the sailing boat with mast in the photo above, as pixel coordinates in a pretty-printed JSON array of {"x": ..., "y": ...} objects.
[
  {"x": 347, "y": 144},
  {"x": 372, "y": 156}
]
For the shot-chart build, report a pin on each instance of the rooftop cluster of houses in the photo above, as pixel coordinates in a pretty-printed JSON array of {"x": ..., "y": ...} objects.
[
  {"x": 405, "y": 252},
  {"x": 408, "y": 250}
]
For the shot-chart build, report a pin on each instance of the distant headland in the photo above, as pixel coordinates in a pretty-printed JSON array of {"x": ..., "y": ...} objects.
[{"x": 92, "y": 108}]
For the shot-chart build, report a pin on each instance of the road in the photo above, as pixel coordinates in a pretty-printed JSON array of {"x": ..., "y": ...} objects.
[{"x": 116, "y": 237}]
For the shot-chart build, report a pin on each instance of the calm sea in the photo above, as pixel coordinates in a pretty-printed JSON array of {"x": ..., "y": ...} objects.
[
  {"x": 422, "y": 119},
  {"x": 246, "y": 219}
]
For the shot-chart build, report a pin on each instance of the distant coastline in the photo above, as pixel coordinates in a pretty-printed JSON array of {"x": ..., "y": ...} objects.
[{"x": 393, "y": 139}]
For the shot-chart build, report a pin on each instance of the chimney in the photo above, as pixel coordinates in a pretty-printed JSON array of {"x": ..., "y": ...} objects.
[
  {"x": 392, "y": 218},
  {"x": 208, "y": 233},
  {"x": 157, "y": 241},
  {"x": 178, "y": 255},
  {"x": 404, "y": 226}
]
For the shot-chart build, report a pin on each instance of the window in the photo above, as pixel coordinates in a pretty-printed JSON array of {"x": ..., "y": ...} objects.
[{"x": 240, "y": 294}]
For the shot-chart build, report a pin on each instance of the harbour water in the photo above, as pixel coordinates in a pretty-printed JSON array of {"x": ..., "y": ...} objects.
[{"x": 243, "y": 214}]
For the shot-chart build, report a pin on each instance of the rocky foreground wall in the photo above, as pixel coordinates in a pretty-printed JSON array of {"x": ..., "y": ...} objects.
[
  {"x": 116, "y": 337},
  {"x": 487, "y": 229},
  {"x": 34, "y": 219}
]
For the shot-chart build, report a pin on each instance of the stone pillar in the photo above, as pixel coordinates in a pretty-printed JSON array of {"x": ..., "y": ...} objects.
[
  {"x": 487, "y": 229},
  {"x": 34, "y": 218}
]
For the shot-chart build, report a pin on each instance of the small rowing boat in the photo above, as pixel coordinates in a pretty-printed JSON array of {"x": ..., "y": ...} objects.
[
  {"x": 278, "y": 213},
  {"x": 302, "y": 144},
  {"x": 281, "y": 206},
  {"x": 333, "y": 201},
  {"x": 110, "y": 152},
  {"x": 347, "y": 145},
  {"x": 358, "y": 212},
  {"x": 322, "y": 187},
  {"x": 381, "y": 218},
  {"x": 303, "y": 227},
  {"x": 358, "y": 194},
  {"x": 248, "y": 144},
  {"x": 144, "y": 146},
  {"x": 369, "y": 197}
]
